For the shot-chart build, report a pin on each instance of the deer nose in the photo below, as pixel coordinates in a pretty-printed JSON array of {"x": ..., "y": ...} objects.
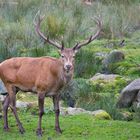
[{"x": 68, "y": 67}]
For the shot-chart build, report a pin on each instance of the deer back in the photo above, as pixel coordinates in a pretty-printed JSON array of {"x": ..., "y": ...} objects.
[{"x": 33, "y": 74}]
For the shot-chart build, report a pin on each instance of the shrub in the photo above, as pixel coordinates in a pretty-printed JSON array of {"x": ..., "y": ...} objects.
[
  {"x": 136, "y": 112},
  {"x": 93, "y": 96},
  {"x": 68, "y": 20},
  {"x": 87, "y": 64}
]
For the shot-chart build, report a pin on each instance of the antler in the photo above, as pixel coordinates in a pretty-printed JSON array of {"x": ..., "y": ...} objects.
[
  {"x": 37, "y": 28},
  {"x": 92, "y": 37}
]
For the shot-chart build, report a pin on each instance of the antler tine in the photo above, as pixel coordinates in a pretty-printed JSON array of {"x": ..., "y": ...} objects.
[
  {"x": 37, "y": 28},
  {"x": 92, "y": 37},
  {"x": 35, "y": 18}
]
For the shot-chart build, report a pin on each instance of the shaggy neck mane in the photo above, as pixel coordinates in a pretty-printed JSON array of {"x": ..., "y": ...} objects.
[{"x": 66, "y": 77}]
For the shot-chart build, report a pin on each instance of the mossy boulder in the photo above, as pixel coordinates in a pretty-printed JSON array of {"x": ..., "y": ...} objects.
[
  {"x": 98, "y": 114},
  {"x": 101, "y": 114}
]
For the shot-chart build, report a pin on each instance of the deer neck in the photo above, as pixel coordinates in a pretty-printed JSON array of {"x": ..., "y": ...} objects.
[{"x": 66, "y": 76}]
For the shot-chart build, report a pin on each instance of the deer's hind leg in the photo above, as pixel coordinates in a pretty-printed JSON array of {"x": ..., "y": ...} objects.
[
  {"x": 5, "y": 112},
  {"x": 12, "y": 102}
]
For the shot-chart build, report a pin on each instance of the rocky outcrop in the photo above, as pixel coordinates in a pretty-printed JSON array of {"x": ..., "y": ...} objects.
[
  {"x": 71, "y": 111},
  {"x": 21, "y": 104},
  {"x": 99, "y": 114},
  {"x": 104, "y": 77},
  {"x": 130, "y": 94}
]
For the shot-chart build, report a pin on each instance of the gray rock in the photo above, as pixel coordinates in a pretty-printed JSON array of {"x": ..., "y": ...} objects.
[
  {"x": 2, "y": 87},
  {"x": 113, "y": 57},
  {"x": 138, "y": 97},
  {"x": 101, "y": 54},
  {"x": 136, "y": 103},
  {"x": 21, "y": 104},
  {"x": 71, "y": 111},
  {"x": 130, "y": 94},
  {"x": 99, "y": 114},
  {"x": 104, "y": 77},
  {"x": 2, "y": 98}
]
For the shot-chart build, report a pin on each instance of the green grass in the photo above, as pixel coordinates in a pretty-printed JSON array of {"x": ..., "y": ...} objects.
[{"x": 79, "y": 127}]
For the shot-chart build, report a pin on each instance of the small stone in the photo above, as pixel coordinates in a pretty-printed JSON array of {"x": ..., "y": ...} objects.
[{"x": 20, "y": 104}]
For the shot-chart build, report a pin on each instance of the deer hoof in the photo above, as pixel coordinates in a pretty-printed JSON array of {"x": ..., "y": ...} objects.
[
  {"x": 58, "y": 130},
  {"x": 39, "y": 132},
  {"x": 22, "y": 130},
  {"x": 6, "y": 129}
]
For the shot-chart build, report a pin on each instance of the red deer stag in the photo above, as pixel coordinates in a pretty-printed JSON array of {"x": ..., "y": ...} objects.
[{"x": 45, "y": 76}]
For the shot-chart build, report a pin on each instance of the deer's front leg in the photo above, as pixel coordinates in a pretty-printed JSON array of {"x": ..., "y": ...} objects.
[
  {"x": 41, "y": 97},
  {"x": 57, "y": 112}
]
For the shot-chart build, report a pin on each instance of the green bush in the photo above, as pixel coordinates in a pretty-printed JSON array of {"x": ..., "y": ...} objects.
[
  {"x": 96, "y": 95},
  {"x": 87, "y": 64},
  {"x": 119, "y": 1},
  {"x": 135, "y": 110}
]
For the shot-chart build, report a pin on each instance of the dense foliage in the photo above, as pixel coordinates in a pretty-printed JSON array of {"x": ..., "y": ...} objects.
[{"x": 67, "y": 20}]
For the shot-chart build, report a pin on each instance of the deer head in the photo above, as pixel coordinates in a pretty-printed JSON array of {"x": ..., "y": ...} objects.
[{"x": 67, "y": 54}]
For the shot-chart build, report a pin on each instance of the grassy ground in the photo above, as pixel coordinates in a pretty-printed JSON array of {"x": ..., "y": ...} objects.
[{"x": 79, "y": 127}]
